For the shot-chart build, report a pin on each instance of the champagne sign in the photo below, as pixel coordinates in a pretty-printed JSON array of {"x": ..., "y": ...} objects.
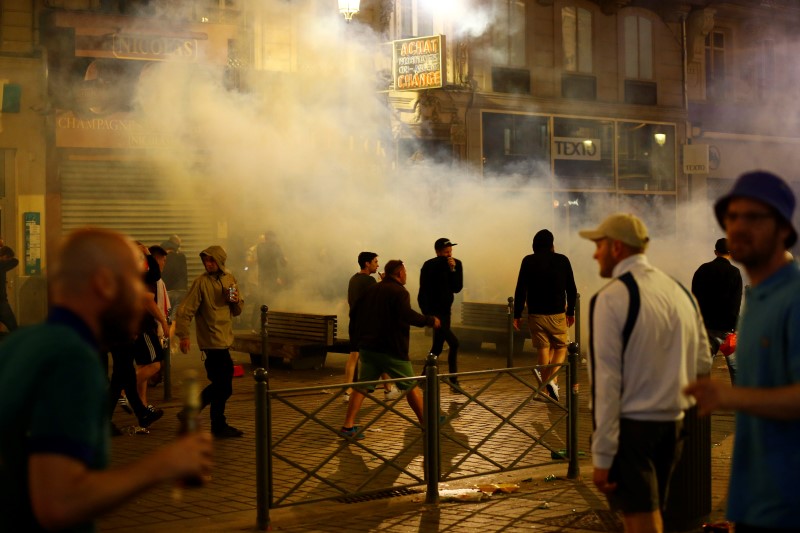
[{"x": 418, "y": 63}]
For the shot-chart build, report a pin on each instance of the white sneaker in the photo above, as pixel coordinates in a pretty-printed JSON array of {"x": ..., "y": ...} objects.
[
  {"x": 345, "y": 397},
  {"x": 391, "y": 394},
  {"x": 552, "y": 388},
  {"x": 538, "y": 375}
]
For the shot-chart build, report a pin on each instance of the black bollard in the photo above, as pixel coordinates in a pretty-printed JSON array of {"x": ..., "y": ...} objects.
[
  {"x": 431, "y": 428},
  {"x": 510, "y": 326},
  {"x": 264, "y": 338},
  {"x": 573, "y": 353},
  {"x": 263, "y": 451}
]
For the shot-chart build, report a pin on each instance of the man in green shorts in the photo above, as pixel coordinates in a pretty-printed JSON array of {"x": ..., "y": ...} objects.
[{"x": 381, "y": 336}]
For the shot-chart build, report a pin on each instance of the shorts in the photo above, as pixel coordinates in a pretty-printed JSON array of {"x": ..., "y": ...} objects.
[
  {"x": 373, "y": 364},
  {"x": 147, "y": 349},
  {"x": 647, "y": 454},
  {"x": 548, "y": 330}
]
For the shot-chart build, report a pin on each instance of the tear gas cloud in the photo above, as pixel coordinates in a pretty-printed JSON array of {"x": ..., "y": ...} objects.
[{"x": 309, "y": 155}]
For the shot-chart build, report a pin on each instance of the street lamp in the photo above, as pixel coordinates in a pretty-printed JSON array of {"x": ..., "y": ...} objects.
[{"x": 348, "y": 8}]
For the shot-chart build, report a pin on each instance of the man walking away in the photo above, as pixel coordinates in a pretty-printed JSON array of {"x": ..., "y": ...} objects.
[
  {"x": 54, "y": 454},
  {"x": 440, "y": 278},
  {"x": 647, "y": 341},
  {"x": 717, "y": 285},
  {"x": 762, "y": 495},
  {"x": 384, "y": 317},
  {"x": 213, "y": 300},
  {"x": 547, "y": 284}
]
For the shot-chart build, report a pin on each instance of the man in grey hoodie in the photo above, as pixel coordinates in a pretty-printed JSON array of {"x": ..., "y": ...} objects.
[{"x": 213, "y": 300}]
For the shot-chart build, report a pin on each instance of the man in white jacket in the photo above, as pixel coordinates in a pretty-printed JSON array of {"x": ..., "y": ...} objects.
[{"x": 647, "y": 341}]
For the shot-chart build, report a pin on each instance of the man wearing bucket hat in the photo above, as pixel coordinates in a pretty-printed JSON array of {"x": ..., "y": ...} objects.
[
  {"x": 757, "y": 218},
  {"x": 647, "y": 342}
]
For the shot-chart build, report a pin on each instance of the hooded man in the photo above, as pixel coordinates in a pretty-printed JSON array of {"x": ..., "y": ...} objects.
[{"x": 213, "y": 300}]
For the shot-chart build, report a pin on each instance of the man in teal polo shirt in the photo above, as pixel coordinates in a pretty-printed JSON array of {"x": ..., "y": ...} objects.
[
  {"x": 53, "y": 406},
  {"x": 763, "y": 495}
]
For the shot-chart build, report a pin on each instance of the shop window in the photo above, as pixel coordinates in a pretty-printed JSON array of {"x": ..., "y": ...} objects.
[
  {"x": 576, "y": 38},
  {"x": 646, "y": 160},
  {"x": 516, "y": 145},
  {"x": 508, "y": 34},
  {"x": 583, "y": 153}
]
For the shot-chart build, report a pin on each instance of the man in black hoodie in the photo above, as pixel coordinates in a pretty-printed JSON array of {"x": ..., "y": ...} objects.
[
  {"x": 440, "y": 278},
  {"x": 547, "y": 284}
]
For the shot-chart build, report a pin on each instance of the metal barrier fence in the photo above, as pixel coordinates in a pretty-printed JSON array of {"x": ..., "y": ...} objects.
[{"x": 501, "y": 422}]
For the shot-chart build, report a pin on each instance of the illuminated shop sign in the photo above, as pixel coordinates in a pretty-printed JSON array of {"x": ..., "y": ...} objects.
[
  {"x": 577, "y": 149},
  {"x": 154, "y": 48},
  {"x": 418, "y": 63}
]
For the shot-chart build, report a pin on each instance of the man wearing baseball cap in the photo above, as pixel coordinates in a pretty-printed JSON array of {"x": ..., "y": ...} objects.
[
  {"x": 647, "y": 342},
  {"x": 762, "y": 496}
]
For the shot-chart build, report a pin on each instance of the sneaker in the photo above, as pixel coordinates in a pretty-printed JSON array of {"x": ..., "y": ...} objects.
[
  {"x": 123, "y": 402},
  {"x": 150, "y": 416},
  {"x": 345, "y": 397},
  {"x": 538, "y": 375},
  {"x": 391, "y": 394},
  {"x": 455, "y": 387},
  {"x": 226, "y": 432},
  {"x": 552, "y": 390},
  {"x": 352, "y": 433}
]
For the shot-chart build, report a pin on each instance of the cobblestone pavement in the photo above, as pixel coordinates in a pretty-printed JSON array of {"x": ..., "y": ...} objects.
[{"x": 546, "y": 500}]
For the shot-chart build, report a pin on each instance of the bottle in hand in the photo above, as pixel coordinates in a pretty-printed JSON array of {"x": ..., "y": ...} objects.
[{"x": 189, "y": 417}]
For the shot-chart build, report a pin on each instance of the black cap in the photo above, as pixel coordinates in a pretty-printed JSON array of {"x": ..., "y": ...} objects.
[
  {"x": 721, "y": 246},
  {"x": 443, "y": 243}
]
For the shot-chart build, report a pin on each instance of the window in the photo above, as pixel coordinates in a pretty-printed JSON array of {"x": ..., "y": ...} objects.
[
  {"x": 583, "y": 153},
  {"x": 715, "y": 64},
  {"x": 638, "y": 48},
  {"x": 646, "y": 158},
  {"x": 416, "y": 18},
  {"x": 516, "y": 145},
  {"x": 765, "y": 76},
  {"x": 576, "y": 32},
  {"x": 508, "y": 34}
]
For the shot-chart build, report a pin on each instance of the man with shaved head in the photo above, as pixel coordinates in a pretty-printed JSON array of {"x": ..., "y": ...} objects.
[{"x": 53, "y": 410}]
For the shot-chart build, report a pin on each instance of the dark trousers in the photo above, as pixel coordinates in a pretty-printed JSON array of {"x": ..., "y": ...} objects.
[
  {"x": 219, "y": 369},
  {"x": 7, "y": 316},
  {"x": 442, "y": 335},
  {"x": 123, "y": 377}
]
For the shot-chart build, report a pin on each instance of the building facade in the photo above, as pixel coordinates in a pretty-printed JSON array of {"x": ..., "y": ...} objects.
[{"x": 643, "y": 105}]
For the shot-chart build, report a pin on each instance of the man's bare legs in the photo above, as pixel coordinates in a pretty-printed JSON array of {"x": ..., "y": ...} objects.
[
  {"x": 643, "y": 522},
  {"x": 414, "y": 398},
  {"x": 143, "y": 375}
]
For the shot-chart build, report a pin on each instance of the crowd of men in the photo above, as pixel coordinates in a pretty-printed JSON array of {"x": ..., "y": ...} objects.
[{"x": 651, "y": 344}]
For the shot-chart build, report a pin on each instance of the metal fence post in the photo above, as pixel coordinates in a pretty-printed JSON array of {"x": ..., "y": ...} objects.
[
  {"x": 510, "y": 325},
  {"x": 573, "y": 470},
  {"x": 263, "y": 451},
  {"x": 264, "y": 338},
  {"x": 431, "y": 428}
]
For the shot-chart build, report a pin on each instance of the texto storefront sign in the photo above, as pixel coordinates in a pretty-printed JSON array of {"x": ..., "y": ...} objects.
[
  {"x": 576, "y": 148},
  {"x": 418, "y": 63}
]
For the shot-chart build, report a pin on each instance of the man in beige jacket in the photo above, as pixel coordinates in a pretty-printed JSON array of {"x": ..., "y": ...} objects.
[{"x": 213, "y": 300}]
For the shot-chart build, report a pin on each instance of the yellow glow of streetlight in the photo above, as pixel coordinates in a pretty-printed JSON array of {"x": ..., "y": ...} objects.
[
  {"x": 661, "y": 138},
  {"x": 348, "y": 8}
]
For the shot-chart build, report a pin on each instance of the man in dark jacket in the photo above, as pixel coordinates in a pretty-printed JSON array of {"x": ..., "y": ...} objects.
[
  {"x": 547, "y": 284},
  {"x": 176, "y": 271},
  {"x": 439, "y": 279},
  {"x": 717, "y": 285},
  {"x": 7, "y": 262},
  {"x": 383, "y": 319}
]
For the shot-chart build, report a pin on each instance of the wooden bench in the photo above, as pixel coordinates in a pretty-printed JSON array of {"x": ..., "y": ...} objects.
[
  {"x": 488, "y": 322},
  {"x": 298, "y": 340}
]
